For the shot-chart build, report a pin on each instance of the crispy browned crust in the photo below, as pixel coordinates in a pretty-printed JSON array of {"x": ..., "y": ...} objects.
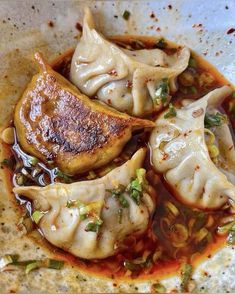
[{"x": 54, "y": 121}]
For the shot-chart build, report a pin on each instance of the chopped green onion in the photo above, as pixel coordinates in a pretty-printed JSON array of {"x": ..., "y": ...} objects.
[
  {"x": 55, "y": 264},
  {"x": 186, "y": 273},
  {"x": 200, "y": 221},
  {"x": 193, "y": 90},
  {"x": 71, "y": 203},
  {"x": 8, "y": 259},
  {"x": 201, "y": 234},
  {"x": 20, "y": 179},
  {"x": 178, "y": 233},
  {"x": 171, "y": 112},
  {"x": 120, "y": 213},
  {"x": 31, "y": 266},
  {"x": 135, "y": 188},
  {"x": 37, "y": 215},
  {"x": 192, "y": 62},
  {"x": 126, "y": 14},
  {"x": 118, "y": 194},
  {"x": 213, "y": 120},
  {"x": 233, "y": 94},
  {"x": 138, "y": 263},
  {"x": 225, "y": 228},
  {"x": 64, "y": 177},
  {"x": 172, "y": 208},
  {"x": 94, "y": 226},
  {"x": 213, "y": 151},
  {"x": 158, "y": 288},
  {"x": 161, "y": 44},
  {"x": 162, "y": 92},
  {"x": 231, "y": 237},
  {"x": 33, "y": 160},
  {"x": 8, "y": 162}
]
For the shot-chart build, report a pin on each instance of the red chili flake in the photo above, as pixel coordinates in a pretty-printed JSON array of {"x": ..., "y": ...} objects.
[
  {"x": 197, "y": 25},
  {"x": 129, "y": 84},
  {"x": 113, "y": 72},
  {"x": 170, "y": 7},
  {"x": 165, "y": 156},
  {"x": 197, "y": 167},
  {"x": 230, "y": 31},
  {"x": 50, "y": 23},
  {"x": 198, "y": 112},
  {"x": 152, "y": 15},
  {"x": 158, "y": 29},
  {"x": 78, "y": 26}
]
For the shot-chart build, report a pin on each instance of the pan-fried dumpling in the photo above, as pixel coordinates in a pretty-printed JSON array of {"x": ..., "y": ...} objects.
[
  {"x": 54, "y": 121},
  {"x": 195, "y": 152},
  {"x": 90, "y": 219},
  {"x": 136, "y": 82}
]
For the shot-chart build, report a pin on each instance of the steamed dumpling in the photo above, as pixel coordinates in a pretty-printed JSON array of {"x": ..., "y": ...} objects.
[
  {"x": 54, "y": 121},
  {"x": 197, "y": 162},
  {"x": 90, "y": 219},
  {"x": 126, "y": 80}
]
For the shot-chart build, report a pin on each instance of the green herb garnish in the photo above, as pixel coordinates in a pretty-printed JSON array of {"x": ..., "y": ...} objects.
[
  {"x": 138, "y": 264},
  {"x": 158, "y": 288},
  {"x": 193, "y": 90},
  {"x": 186, "y": 273},
  {"x": 8, "y": 162},
  {"x": 118, "y": 193},
  {"x": 30, "y": 264},
  {"x": 171, "y": 112},
  {"x": 37, "y": 215},
  {"x": 64, "y": 177},
  {"x": 162, "y": 92},
  {"x": 94, "y": 226},
  {"x": 126, "y": 14},
  {"x": 192, "y": 62},
  {"x": 120, "y": 213},
  {"x": 161, "y": 44},
  {"x": 233, "y": 95},
  {"x": 33, "y": 160},
  {"x": 135, "y": 188},
  {"x": 214, "y": 120}
]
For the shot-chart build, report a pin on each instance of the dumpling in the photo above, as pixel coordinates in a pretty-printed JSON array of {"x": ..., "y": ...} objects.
[
  {"x": 136, "y": 82},
  {"x": 54, "y": 121},
  {"x": 195, "y": 152},
  {"x": 90, "y": 219}
]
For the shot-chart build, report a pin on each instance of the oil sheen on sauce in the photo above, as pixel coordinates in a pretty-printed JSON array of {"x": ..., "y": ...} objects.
[{"x": 156, "y": 250}]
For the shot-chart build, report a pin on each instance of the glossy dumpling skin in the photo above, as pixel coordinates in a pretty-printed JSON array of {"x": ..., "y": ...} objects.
[
  {"x": 54, "y": 121},
  {"x": 64, "y": 227},
  {"x": 179, "y": 151},
  {"x": 124, "y": 79}
]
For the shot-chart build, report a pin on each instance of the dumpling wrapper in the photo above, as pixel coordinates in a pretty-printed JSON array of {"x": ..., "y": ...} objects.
[
  {"x": 179, "y": 151},
  {"x": 101, "y": 68},
  {"x": 63, "y": 227},
  {"x": 54, "y": 121}
]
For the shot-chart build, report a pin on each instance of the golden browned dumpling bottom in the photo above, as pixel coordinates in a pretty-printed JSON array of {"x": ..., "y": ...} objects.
[{"x": 54, "y": 121}]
